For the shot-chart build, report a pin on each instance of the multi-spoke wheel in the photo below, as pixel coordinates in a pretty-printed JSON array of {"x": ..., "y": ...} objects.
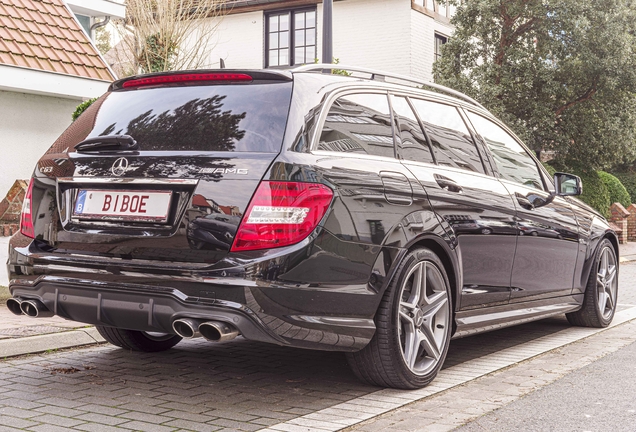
[
  {"x": 413, "y": 326},
  {"x": 601, "y": 292}
]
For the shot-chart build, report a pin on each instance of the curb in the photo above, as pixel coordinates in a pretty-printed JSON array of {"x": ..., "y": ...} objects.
[{"x": 42, "y": 343}]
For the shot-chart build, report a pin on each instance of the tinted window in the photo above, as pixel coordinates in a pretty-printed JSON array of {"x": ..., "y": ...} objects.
[
  {"x": 359, "y": 123},
  {"x": 197, "y": 118},
  {"x": 452, "y": 143},
  {"x": 413, "y": 145},
  {"x": 513, "y": 162}
]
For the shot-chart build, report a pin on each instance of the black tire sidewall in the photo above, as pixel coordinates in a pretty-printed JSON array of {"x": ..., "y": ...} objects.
[{"x": 592, "y": 287}]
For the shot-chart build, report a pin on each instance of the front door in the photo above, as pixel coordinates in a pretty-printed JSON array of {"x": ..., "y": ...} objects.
[{"x": 547, "y": 245}]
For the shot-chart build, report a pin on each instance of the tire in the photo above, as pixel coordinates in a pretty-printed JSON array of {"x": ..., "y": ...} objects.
[
  {"x": 412, "y": 331},
  {"x": 138, "y": 340},
  {"x": 601, "y": 291}
]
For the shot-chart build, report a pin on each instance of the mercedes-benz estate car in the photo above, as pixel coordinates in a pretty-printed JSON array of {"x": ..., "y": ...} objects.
[{"x": 360, "y": 214}]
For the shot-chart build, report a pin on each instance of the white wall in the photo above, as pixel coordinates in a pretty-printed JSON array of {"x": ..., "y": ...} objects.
[
  {"x": 422, "y": 44},
  {"x": 239, "y": 42},
  {"x": 371, "y": 33},
  {"x": 29, "y": 124}
]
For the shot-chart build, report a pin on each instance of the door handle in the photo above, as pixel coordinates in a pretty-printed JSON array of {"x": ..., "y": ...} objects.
[
  {"x": 524, "y": 202},
  {"x": 448, "y": 184}
]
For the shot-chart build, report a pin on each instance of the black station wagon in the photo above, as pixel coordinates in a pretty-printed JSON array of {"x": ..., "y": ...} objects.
[{"x": 307, "y": 209}]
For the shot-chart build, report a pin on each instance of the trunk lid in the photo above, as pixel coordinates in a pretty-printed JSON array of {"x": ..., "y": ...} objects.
[{"x": 179, "y": 193}]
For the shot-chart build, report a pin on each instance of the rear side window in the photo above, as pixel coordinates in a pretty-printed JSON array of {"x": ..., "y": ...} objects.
[
  {"x": 513, "y": 161},
  {"x": 232, "y": 118},
  {"x": 359, "y": 123},
  {"x": 452, "y": 143},
  {"x": 413, "y": 145}
]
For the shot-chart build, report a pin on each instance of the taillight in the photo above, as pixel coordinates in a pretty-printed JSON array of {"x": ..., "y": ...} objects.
[
  {"x": 26, "y": 219},
  {"x": 281, "y": 214},
  {"x": 185, "y": 78}
]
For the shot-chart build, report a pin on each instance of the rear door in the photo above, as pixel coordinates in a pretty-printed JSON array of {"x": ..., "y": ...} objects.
[
  {"x": 479, "y": 209},
  {"x": 548, "y": 244},
  {"x": 203, "y": 147}
]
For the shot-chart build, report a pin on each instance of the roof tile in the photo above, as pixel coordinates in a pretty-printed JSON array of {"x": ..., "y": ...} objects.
[{"x": 43, "y": 34}]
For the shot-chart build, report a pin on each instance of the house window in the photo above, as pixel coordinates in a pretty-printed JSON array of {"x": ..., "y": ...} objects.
[
  {"x": 291, "y": 38},
  {"x": 439, "y": 41}
]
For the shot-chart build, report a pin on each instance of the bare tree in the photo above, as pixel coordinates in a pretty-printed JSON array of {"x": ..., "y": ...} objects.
[{"x": 163, "y": 35}]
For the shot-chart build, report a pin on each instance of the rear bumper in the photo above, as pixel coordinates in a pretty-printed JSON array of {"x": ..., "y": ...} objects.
[{"x": 336, "y": 318}]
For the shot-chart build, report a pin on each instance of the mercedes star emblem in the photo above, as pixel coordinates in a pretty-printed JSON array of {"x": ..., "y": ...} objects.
[{"x": 120, "y": 166}]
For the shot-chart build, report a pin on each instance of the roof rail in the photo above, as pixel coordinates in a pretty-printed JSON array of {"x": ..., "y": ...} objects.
[{"x": 377, "y": 74}]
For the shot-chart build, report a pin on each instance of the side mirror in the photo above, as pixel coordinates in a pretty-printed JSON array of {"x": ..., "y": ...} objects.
[{"x": 567, "y": 184}]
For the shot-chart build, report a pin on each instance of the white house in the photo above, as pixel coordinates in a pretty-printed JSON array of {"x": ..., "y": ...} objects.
[
  {"x": 48, "y": 65},
  {"x": 400, "y": 36}
]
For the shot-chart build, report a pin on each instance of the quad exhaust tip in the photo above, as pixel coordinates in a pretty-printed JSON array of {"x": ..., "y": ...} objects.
[
  {"x": 217, "y": 331},
  {"x": 214, "y": 331},
  {"x": 187, "y": 328},
  {"x": 35, "y": 309},
  {"x": 13, "y": 304}
]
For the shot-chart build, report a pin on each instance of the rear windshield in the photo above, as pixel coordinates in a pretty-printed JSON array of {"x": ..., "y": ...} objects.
[{"x": 232, "y": 118}]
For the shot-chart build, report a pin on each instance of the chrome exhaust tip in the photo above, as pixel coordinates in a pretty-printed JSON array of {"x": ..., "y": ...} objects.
[
  {"x": 187, "y": 328},
  {"x": 35, "y": 309},
  {"x": 217, "y": 331},
  {"x": 13, "y": 304}
]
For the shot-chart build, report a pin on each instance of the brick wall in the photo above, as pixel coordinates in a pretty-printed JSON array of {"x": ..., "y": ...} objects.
[
  {"x": 631, "y": 223},
  {"x": 11, "y": 207}
]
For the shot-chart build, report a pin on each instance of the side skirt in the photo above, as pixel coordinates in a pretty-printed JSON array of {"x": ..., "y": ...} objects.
[{"x": 493, "y": 318}]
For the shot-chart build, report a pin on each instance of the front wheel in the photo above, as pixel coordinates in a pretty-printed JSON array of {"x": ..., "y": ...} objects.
[
  {"x": 138, "y": 340},
  {"x": 601, "y": 292},
  {"x": 413, "y": 326}
]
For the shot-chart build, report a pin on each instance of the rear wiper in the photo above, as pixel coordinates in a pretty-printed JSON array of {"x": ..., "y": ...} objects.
[{"x": 107, "y": 142}]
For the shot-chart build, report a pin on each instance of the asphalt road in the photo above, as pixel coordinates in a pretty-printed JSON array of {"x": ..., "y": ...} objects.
[{"x": 598, "y": 397}]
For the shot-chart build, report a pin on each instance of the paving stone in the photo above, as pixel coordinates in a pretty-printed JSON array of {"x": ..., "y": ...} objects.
[
  {"x": 146, "y": 427},
  {"x": 192, "y": 425},
  {"x": 19, "y": 423},
  {"x": 57, "y": 420},
  {"x": 102, "y": 419}
]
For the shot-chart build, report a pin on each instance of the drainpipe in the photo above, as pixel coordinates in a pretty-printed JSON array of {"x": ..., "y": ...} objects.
[{"x": 327, "y": 31}]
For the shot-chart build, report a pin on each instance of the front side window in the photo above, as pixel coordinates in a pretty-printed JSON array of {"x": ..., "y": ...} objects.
[
  {"x": 291, "y": 38},
  {"x": 512, "y": 160},
  {"x": 452, "y": 144},
  {"x": 359, "y": 123}
]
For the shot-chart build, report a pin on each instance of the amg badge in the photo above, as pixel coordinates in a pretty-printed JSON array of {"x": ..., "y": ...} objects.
[{"x": 240, "y": 171}]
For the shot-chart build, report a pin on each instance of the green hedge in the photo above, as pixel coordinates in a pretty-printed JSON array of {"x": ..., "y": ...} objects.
[
  {"x": 628, "y": 179},
  {"x": 595, "y": 193},
  {"x": 82, "y": 107},
  {"x": 617, "y": 192}
]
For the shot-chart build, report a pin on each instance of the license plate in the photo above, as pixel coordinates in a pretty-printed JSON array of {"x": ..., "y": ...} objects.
[{"x": 144, "y": 206}]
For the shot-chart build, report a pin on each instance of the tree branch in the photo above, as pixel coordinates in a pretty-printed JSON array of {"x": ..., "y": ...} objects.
[{"x": 589, "y": 93}]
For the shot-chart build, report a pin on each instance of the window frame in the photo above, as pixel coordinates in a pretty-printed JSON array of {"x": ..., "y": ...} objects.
[
  {"x": 324, "y": 112},
  {"x": 496, "y": 173},
  {"x": 487, "y": 169},
  {"x": 438, "y": 37},
  {"x": 292, "y": 35}
]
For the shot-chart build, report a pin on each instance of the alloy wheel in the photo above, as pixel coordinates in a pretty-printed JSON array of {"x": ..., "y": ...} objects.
[
  {"x": 424, "y": 317},
  {"x": 607, "y": 283}
]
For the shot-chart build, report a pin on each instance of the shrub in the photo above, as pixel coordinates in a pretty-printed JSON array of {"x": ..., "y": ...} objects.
[
  {"x": 617, "y": 192},
  {"x": 628, "y": 179},
  {"x": 595, "y": 193},
  {"x": 82, "y": 107}
]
